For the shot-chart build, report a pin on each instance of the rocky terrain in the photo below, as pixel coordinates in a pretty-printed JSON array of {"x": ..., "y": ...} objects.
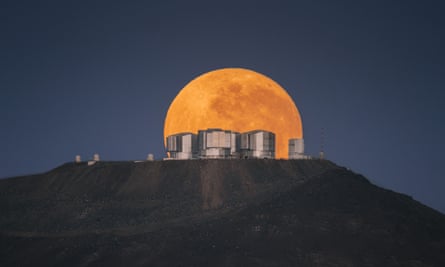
[{"x": 213, "y": 213}]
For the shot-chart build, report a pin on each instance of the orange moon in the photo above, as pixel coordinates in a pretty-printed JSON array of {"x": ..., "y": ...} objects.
[{"x": 235, "y": 99}]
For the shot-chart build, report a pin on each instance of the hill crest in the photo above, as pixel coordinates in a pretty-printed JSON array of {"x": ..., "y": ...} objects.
[{"x": 233, "y": 212}]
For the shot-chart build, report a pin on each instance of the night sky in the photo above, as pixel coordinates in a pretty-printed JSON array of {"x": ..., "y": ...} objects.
[{"x": 85, "y": 77}]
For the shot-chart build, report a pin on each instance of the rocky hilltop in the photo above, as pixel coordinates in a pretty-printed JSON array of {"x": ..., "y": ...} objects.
[{"x": 213, "y": 213}]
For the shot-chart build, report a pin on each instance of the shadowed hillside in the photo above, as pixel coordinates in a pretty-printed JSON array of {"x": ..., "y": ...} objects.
[{"x": 213, "y": 213}]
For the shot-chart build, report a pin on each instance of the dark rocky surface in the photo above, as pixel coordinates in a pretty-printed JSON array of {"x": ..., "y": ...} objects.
[{"x": 213, "y": 213}]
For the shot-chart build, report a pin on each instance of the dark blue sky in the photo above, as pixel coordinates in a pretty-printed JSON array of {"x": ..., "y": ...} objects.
[{"x": 80, "y": 77}]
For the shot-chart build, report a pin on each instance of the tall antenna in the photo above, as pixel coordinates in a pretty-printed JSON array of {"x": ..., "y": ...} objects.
[{"x": 322, "y": 144}]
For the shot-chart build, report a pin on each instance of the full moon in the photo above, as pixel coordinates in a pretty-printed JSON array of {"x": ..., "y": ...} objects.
[{"x": 235, "y": 99}]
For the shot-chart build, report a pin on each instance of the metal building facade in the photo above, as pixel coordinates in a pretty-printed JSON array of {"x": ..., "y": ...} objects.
[
  {"x": 296, "y": 149},
  {"x": 182, "y": 146},
  {"x": 235, "y": 142},
  {"x": 217, "y": 143},
  {"x": 258, "y": 144}
]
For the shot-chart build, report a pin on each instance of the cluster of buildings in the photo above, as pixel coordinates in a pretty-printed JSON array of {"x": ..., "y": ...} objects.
[
  {"x": 96, "y": 158},
  {"x": 217, "y": 143}
]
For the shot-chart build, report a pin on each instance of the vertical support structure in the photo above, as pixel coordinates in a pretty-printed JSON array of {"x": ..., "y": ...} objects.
[{"x": 322, "y": 136}]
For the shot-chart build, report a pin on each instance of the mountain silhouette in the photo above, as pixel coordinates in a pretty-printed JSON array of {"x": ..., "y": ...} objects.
[{"x": 213, "y": 213}]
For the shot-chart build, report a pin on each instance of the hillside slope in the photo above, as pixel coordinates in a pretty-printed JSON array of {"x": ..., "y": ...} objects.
[{"x": 213, "y": 213}]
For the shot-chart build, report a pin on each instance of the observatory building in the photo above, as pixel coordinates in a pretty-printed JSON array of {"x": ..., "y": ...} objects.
[
  {"x": 296, "y": 149},
  {"x": 182, "y": 146},
  {"x": 258, "y": 144},
  {"x": 219, "y": 144}
]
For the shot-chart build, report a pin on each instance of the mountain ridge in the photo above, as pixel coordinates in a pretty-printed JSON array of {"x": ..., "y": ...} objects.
[{"x": 213, "y": 212}]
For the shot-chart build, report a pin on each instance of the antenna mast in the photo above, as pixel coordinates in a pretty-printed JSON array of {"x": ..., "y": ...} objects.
[{"x": 322, "y": 144}]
